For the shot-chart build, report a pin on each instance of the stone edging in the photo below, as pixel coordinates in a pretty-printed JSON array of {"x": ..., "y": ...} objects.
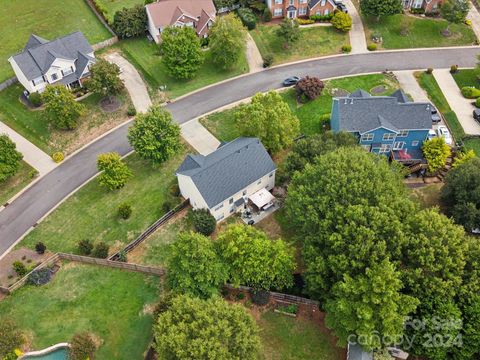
[{"x": 45, "y": 351}]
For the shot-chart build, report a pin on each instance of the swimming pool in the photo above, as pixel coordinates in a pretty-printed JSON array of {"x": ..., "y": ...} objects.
[{"x": 56, "y": 352}]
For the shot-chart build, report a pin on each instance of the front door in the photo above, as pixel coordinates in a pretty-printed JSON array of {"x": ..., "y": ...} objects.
[{"x": 292, "y": 14}]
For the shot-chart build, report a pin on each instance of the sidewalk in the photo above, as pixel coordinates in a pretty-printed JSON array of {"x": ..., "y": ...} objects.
[
  {"x": 199, "y": 137},
  {"x": 254, "y": 58},
  {"x": 474, "y": 17},
  {"x": 357, "y": 33},
  {"x": 410, "y": 85},
  {"x": 461, "y": 106},
  {"x": 32, "y": 155}
]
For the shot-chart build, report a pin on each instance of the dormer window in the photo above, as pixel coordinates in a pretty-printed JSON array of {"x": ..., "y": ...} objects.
[{"x": 54, "y": 76}]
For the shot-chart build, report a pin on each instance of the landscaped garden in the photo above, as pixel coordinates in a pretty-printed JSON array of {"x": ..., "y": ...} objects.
[
  {"x": 313, "y": 42},
  {"x": 403, "y": 31},
  {"x": 17, "y": 182},
  {"x": 45, "y": 18},
  {"x": 111, "y": 304}
]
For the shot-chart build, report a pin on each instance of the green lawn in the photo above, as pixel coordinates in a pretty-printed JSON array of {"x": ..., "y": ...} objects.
[
  {"x": 145, "y": 56},
  {"x": 314, "y": 42},
  {"x": 420, "y": 32},
  {"x": 112, "y": 6},
  {"x": 46, "y": 18},
  {"x": 17, "y": 182},
  {"x": 33, "y": 125},
  {"x": 222, "y": 124},
  {"x": 428, "y": 196},
  {"x": 109, "y": 303},
  {"x": 286, "y": 338},
  {"x": 91, "y": 213},
  {"x": 466, "y": 77}
]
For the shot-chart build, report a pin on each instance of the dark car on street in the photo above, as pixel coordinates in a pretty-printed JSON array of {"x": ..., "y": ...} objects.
[
  {"x": 435, "y": 116},
  {"x": 342, "y": 8},
  {"x": 292, "y": 80},
  {"x": 476, "y": 114}
]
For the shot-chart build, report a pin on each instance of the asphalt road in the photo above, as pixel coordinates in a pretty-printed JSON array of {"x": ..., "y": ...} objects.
[{"x": 33, "y": 204}]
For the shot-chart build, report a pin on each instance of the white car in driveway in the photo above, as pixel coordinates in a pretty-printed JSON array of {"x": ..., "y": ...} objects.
[
  {"x": 432, "y": 134},
  {"x": 443, "y": 132}
]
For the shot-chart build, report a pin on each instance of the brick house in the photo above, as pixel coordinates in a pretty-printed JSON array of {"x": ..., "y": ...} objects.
[
  {"x": 428, "y": 5},
  {"x": 300, "y": 8}
]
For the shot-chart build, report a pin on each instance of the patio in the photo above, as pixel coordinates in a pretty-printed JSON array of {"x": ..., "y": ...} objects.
[{"x": 257, "y": 216}]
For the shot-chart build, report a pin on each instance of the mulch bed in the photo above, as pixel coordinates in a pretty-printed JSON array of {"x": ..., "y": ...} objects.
[
  {"x": 339, "y": 93},
  {"x": 110, "y": 104},
  {"x": 379, "y": 89},
  {"x": 27, "y": 256}
]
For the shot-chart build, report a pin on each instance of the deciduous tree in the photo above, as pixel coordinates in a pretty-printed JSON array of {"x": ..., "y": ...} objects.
[
  {"x": 105, "y": 78},
  {"x": 130, "y": 22},
  {"x": 11, "y": 337},
  {"x": 61, "y": 108},
  {"x": 289, "y": 31},
  {"x": 309, "y": 87},
  {"x": 380, "y": 8},
  {"x": 342, "y": 21},
  {"x": 436, "y": 152},
  {"x": 455, "y": 11},
  {"x": 9, "y": 158},
  {"x": 82, "y": 346},
  {"x": 114, "y": 172}
]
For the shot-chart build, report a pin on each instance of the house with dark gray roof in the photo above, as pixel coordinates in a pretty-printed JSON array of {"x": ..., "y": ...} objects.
[
  {"x": 224, "y": 180},
  {"x": 65, "y": 60},
  {"x": 390, "y": 125}
]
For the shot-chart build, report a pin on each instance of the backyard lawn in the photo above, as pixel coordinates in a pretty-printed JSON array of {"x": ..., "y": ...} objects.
[
  {"x": 109, "y": 303},
  {"x": 402, "y": 31},
  {"x": 314, "y": 42},
  {"x": 112, "y": 6},
  {"x": 34, "y": 126},
  {"x": 222, "y": 124},
  {"x": 466, "y": 77},
  {"x": 17, "y": 182},
  {"x": 46, "y": 18},
  {"x": 91, "y": 213},
  {"x": 145, "y": 56}
]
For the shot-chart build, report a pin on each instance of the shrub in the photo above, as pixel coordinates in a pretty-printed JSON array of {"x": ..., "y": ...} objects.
[
  {"x": 40, "y": 277},
  {"x": 248, "y": 18},
  {"x": 167, "y": 206},
  {"x": 453, "y": 69},
  {"x": 346, "y": 48},
  {"x": 33, "y": 174},
  {"x": 436, "y": 152},
  {"x": 58, "y": 157},
  {"x": 470, "y": 92},
  {"x": 82, "y": 346},
  {"x": 309, "y": 87},
  {"x": 240, "y": 296},
  {"x": 36, "y": 99},
  {"x": 124, "y": 211},
  {"x": 417, "y": 10},
  {"x": 130, "y": 22},
  {"x": 122, "y": 256},
  {"x": 305, "y": 21},
  {"x": 131, "y": 111},
  {"x": 342, "y": 21},
  {"x": 321, "y": 18},
  {"x": 267, "y": 15},
  {"x": 203, "y": 221},
  {"x": 260, "y": 297},
  {"x": 267, "y": 60},
  {"x": 175, "y": 190},
  {"x": 85, "y": 247},
  {"x": 40, "y": 248},
  {"x": 100, "y": 250},
  {"x": 429, "y": 70},
  {"x": 20, "y": 268},
  {"x": 372, "y": 47},
  {"x": 9, "y": 157}
]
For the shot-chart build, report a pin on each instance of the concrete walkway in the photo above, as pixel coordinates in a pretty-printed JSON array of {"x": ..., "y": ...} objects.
[
  {"x": 199, "y": 137},
  {"x": 133, "y": 82},
  {"x": 357, "y": 33},
  {"x": 474, "y": 17},
  {"x": 410, "y": 85},
  {"x": 32, "y": 155},
  {"x": 461, "y": 106},
  {"x": 254, "y": 58}
]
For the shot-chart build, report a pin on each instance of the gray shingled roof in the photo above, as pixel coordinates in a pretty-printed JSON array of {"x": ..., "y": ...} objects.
[
  {"x": 362, "y": 114},
  {"x": 39, "y": 53},
  {"x": 228, "y": 170},
  {"x": 401, "y": 96}
]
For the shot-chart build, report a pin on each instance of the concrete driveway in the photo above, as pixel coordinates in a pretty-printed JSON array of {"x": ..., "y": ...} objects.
[
  {"x": 357, "y": 33},
  {"x": 254, "y": 58},
  {"x": 200, "y": 138},
  {"x": 474, "y": 17},
  {"x": 461, "y": 106},
  {"x": 410, "y": 85}
]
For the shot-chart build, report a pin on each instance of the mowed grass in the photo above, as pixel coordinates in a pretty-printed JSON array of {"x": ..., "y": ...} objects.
[
  {"x": 46, "y": 18},
  {"x": 146, "y": 58},
  {"x": 91, "y": 213},
  {"x": 428, "y": 196},
  {"x": 419, "y": 32},
  {"x": 466, "y": 77},
  {"x": 112, "y": 6},
  {"x": 310, "y": 114},
  {"x": 17, "y": 182},
  {"x": 108, "y": 303},
  {"x": 286, "y": 338},
  {"x": 314, "y": 42}
]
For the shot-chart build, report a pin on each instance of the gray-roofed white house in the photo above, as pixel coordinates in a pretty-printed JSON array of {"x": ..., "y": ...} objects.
[
  {"x": 222, "y": 180},
  {"x": 65, "y": 60}
]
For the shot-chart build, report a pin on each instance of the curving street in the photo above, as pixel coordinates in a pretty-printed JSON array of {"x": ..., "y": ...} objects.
[{"x": 17, "y": 218}]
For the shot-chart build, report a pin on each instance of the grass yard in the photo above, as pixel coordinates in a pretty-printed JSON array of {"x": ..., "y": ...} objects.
[
  {"x": 428, "y": 196},
  {"x": 34, "y": 126},
  {"x": 286, "y": 338},
  {"x": 145, "y": 56},
  {"x": 466, "y": 77},
  {"x": 314, "y": 42},
  {"x": 420, "y": 32},
  {"x": 222, "y": 124},
  {"x": 112, "y": 6},
  {"x": 110, "y": 303},
  {"x": 91, "y": 213},
  {"x": 17, "y": 182},
  {"x": 46, "y": 18}
]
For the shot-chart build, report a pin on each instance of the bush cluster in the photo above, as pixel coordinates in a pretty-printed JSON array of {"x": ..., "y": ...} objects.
[
  {"x": 124, "y": 211},
  {"x": 470, "y": 92},
  {"x": 20, "y": 268},
  {"x": 40, "y": 248},
  {"x": 131, "y": 111},
  {"x": 36, "y": 99},
  {"x": 248, "y": 18},
  {"x": 321, "y": 18},
  {"x": 40, "y": 277},
  {"x": 99, "y": 250},
  {"x": 58, "y": 157},
  {"x": 346, "y": 48},
  {"x": 203, "y": 221},
  {"x": 372, "y": 47},
  {"x": 305, "y": 21},
  {"x": 267, "y": 60}
]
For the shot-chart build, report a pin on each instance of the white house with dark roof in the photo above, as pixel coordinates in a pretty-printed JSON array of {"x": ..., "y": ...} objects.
[
  {"x": 223, "y": 180},
  {"x": 65, "y": 60}
]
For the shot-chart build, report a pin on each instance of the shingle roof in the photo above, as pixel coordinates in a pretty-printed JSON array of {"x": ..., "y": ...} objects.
[
  {"x": 362, "y": 114},
  {"x": 39, "y": 53},
  {"x": 228, "y": 170},
  {"x": 401, "y": 96}
]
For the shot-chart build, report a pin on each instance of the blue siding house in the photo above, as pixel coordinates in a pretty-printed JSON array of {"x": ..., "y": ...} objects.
[{"x": 390, "y": 125}]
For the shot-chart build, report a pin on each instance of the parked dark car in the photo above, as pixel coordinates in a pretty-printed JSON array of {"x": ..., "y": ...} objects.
[
  {"x": 476, "y": 114},
  {"x": 435, "y": 116},
  {"x": 342, "y": 8},
  {"x": 292, "y": 80}
]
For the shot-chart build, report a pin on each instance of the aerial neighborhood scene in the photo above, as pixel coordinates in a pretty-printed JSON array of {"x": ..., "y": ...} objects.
[{"x": 240, "y": 179}]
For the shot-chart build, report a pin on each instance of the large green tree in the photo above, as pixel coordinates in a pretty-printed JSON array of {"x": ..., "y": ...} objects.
[
  {"x": 130, "y": 22},
  {"x": 269, "y": 118},
  {"x": 212, "y": 329},
  {"x": 381, "y": 8},
  {"x": 114, "y": 172},
  {"x": 61, "y": 108},
  {"x": 11, "y": 337},
  {"x": 227, "y": 40},
  {"x": 455, "y": 11},
  {"x": 105, "y": 78},
  {"x": 254, "y": 260},
  {"x": 194, "y": 267},
  {"x": 182, "y": 54},
  {"x": 154, "y": 135},
  {"x": 9, "y": 158},
  {"x": 436, "y": 152},
  {"x": 289, "y": 31}
]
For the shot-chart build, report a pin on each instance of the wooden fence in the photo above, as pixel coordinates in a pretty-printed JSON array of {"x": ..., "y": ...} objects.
[
  {"x": 150, "y": 230},
  {"x": 99, "y": 14},
  {"x": 280, "y": 296},
  {"x": 105, "y": 43},
  {"x": 8, "y": 82}
]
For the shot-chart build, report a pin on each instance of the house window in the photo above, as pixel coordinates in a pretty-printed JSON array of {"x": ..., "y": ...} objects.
[
  {"x": 417, "y": 4},
  {"x": 318, "y": 12},
  {"x": 385, "y": 148},
  {"x": 303, "y": 1},
  {"x": 218, "y": 207},
  {"x": 415, "y": 143},
  {"x": 54, "y": 77},
  {"x": 67, "y": 72},
  {"x": 244, "y": 192},
  {"x": 220, "y": 217},
  {"x": 366, "y": 137},
  {"x": 326, "y": 12},
  {"x": 367, "y": 147},
  {"x": 323, "y": 3},
  {"x": 302, "y": 11},
  {"x": 398, "y": 145},
  {"x": 231, "y": 201},
  {"x": 270, "y": 175},
  {"x": 232, "y": 210},
  {"x": 403, "y": 133},
  {"x": 278, "y": 12},
  {"x": 278, "y": 1},
  {"x": 388, "y": 136},
  {"x": 259, "y": 182},
  {"x": 292, "y": 2}
]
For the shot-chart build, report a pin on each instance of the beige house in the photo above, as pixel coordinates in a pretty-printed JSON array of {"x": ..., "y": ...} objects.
[{"x": 225, "y": 180}]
